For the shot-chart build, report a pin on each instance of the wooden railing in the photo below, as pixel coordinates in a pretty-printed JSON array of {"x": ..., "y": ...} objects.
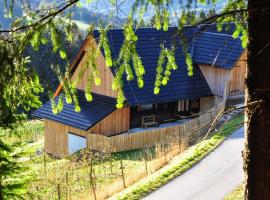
[{"x": 189, "y": 132}]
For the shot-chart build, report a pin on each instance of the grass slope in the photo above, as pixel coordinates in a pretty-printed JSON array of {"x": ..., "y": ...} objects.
[
  {"x": 237, "y": 194},
  {"x": 201, "y": 150}
]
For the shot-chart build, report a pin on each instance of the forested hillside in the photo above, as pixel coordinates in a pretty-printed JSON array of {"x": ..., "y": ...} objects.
[{"x": 43, "y": 59}]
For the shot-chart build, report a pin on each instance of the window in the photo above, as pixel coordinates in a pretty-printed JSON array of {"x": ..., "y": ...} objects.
[
  {"x": 189, "y": 105},
  {"x": 183, "y": 105},
  {"x": 75, "y": 143}
]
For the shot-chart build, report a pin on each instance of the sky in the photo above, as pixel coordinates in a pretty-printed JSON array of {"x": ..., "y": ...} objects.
[{"x": 103, "y": 6}]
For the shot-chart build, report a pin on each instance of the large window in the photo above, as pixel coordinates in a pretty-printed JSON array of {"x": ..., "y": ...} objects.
[
  {"x": 183, "y": 105},
  {"x": 75, "y": 143}
]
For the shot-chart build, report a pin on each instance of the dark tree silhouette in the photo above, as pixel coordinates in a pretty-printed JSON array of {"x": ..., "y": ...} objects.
[{"x": 257, "y": 144}]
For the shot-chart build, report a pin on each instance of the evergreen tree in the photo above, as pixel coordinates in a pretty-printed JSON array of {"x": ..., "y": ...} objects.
[{"x": 13, "y": 176}]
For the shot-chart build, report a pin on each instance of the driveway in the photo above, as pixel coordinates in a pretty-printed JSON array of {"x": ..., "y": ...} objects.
[{"x": 212, "y": 178}]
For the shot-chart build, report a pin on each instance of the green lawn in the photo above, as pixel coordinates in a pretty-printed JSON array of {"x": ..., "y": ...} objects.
[
  {"x": 28, "y": 132},
  {"x": 236, "y": 194}
]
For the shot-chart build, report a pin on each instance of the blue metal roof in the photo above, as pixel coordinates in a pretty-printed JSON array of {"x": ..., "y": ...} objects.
[
  {"x": 91, "y": 112},
  {"x": 208, "y": 47},
  {"x": 217, "y": 49},
  {"x": 227, "y": 28},
  {"x": 180, "y": 85}
]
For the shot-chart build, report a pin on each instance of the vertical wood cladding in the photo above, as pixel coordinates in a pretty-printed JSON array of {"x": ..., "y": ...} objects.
[
  {"x": 56, "y": 140},
  {"x": 116, "y": 122},
  {"x": 217, "y": 77},
  {"x": 238, "y": 75},
  {"x": 105, "y": 73}
]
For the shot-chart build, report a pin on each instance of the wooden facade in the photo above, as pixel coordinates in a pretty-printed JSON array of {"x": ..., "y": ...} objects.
[
  {"x": 117, "y": 122},
  {"x": 75, "y": 62},
  {"x": 217, "y": 78},
  {"x": 105, "y": 73},
  {"x": 238, "y": 75},
  {"x": 56, "y": 140}
]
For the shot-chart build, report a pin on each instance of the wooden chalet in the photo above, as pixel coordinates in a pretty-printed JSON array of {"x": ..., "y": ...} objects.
[{"x": 219, "y": 71}]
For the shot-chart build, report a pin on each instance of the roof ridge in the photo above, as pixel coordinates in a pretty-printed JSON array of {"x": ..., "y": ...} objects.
[{"x": 217, "y": 33}]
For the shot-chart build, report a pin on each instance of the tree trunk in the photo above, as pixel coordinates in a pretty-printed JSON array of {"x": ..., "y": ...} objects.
[{"x": 257, "y": 142}]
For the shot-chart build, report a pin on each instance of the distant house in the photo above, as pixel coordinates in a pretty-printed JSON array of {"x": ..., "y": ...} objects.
[{"x": 219, "y": 70}]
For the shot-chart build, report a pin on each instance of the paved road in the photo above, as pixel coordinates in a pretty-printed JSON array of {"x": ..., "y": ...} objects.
[{"x": 212, "y": 178}]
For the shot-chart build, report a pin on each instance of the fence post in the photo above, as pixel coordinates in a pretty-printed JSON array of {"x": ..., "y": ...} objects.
[
  {"x": 146, "y": 167},
  {"x": 44, "y": 163},
  {"x": 58, "y": 192},
  {"x": 179, "y": 139},
  {"x": 111, "y": 166},
  {"x": 37, "y": 192},
  {"x": 145, "y": 161},
  {"x": 111, "y": 162},
  {"x": 122, "y": 171},
  {"x": 67, "y": 185},
  {"x": 91, "y": 179},
  {"x": 165, "y": 154}
]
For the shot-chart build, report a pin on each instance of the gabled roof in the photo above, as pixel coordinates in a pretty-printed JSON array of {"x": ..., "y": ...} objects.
[
  {"x": 180, "y": 85},
  {"x": 217, "y": 49},
  {"x": 204, "y": 47},
  {"x": 210, "y": 47},
  {"x": 91, "y": 112}
]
